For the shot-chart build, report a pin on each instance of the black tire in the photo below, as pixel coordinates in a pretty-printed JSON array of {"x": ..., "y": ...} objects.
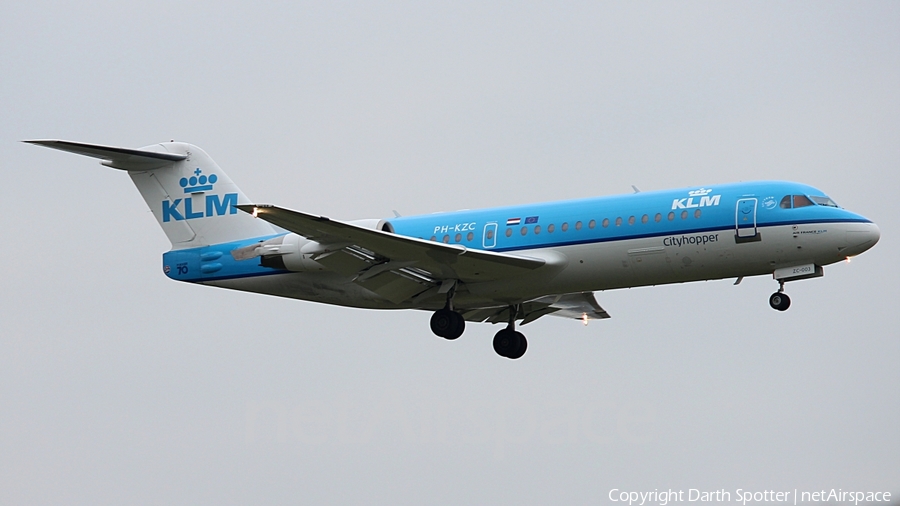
[
  {"x": 459, "y": 326},
  {"x": 505, "y": 342},
  {"x": 522, "y": 346},
  {"x": 780, "y": 301},
  {"x": 447, "y": 324}
]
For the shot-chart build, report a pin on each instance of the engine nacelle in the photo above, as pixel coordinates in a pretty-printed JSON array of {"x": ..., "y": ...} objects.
[
  {"x": 296, "y": 253},
  {"x": 374, "y": 223}
]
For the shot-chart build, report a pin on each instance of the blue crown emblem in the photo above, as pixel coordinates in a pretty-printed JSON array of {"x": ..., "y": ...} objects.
[{"x": 199, "y": 182}]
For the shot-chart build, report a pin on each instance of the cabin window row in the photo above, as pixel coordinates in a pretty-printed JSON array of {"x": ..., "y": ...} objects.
[
  {"x": 605, "y": 223},
  {"x": 578, "y": 226}
]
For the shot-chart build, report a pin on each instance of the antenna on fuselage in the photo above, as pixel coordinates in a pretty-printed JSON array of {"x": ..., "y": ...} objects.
[{"x": 636, "y": 189}]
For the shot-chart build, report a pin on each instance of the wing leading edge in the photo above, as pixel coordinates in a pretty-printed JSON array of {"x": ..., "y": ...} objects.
[{"x": 445, "y": 261}]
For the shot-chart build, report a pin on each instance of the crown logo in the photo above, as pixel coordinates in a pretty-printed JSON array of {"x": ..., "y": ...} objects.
[
  {"x": 199, "y": 182},
  {"x": 699, "y": 193}
]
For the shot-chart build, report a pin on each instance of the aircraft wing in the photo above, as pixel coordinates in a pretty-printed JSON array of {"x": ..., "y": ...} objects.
[{"x": 395, "y": 266}]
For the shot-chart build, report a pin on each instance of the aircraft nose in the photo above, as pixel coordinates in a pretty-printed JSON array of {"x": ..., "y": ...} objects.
[
  {"x": 874, "y": 234},
  {"x": 861, "y": 239}
]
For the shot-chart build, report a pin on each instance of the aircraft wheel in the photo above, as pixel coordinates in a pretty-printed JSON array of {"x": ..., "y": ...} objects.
[
  {"x": 780, "y": 301},
  {"x": 523, "y": 345},
  {"x": 510, "y": 344},
  {"x": 447, "y": 324}
]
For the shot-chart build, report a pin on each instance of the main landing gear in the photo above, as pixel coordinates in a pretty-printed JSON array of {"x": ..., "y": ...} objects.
[
  {"x": 509, "y": 343},
  {"x": 447, "y": 323},
  {"x": 779, "y": 300}
]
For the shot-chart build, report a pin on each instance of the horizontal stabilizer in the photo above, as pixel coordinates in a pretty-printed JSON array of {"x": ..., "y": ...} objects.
[{"x": 117, "y": 158}]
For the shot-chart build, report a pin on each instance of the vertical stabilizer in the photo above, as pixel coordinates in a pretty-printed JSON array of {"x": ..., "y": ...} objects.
[{"x": 193, "y": 200}]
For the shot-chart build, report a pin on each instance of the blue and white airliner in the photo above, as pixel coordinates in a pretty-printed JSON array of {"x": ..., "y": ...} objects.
[{"x": 499, "y": 265}]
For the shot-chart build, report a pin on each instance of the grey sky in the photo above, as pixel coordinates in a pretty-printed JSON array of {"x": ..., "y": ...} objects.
[{"x": 120, "y": 386}]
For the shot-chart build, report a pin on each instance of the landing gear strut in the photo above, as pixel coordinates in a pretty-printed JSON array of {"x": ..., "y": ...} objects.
[
  {"x": 779, "y": 300},
  {"x": 509, "y": 343},
  {"x": 446, "y": 322}
]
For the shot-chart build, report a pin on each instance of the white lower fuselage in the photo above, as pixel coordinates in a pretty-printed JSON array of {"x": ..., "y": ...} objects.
[{"x": 606, "y": 265}]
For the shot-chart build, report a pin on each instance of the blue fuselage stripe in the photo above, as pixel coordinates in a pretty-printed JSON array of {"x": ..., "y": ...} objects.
[{"x": 668, "y": 213}]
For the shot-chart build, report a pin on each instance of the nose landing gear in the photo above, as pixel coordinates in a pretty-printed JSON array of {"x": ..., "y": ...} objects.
[
  {"x": 509, "y": 343},
  {"x": 779, "y": 300}
]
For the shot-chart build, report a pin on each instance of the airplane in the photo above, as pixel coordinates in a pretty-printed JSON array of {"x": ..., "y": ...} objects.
[{"x": 499, "y": 265}]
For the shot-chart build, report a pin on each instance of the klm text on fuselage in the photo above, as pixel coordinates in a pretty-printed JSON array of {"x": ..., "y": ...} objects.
[{"x": 183, "y": 209}]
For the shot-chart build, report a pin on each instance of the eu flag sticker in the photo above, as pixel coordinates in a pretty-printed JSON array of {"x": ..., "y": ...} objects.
[{"x": 531, "y": 220}]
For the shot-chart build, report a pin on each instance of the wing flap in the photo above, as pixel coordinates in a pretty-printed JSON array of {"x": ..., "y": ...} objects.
[{"x": 577, "y": 306}]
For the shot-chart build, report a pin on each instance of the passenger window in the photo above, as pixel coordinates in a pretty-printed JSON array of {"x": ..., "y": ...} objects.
[
  {"x": 577, "y": 225},
  {"x": 537, "y": 229},
  {"x": 470, "y": 236},
  {"x": 631, "y": 220},
  {"x": 645, "y": 218},
  {"x": 446, "y": 238},
  {"x": 605, "y": 222},
  {"x": 550, "y": 228},
  {"x": 433, "y": 238},
  {"x": 565, "y": 227},
  {"x": 509, "y": 232},
  {"x": 683, "y": 215},
  {"x": 697, "y": 213},
  {"x": 619, "y": 221},
  {"x": 657, "y": 218},
  {"x": 524, "y": 230},
  {"x": 786, "y": 202},
  {"x": 802, "y": 201},
  {"x": 671, "y": 216},
  {"x": 458, "y": 238},
  {"x": 592, "y": 223}
]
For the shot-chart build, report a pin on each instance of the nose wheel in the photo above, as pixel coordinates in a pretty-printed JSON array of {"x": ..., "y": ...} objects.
[{"x": 779, "y": 300}]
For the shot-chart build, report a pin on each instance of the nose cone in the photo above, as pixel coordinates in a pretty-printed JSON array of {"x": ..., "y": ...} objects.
[{"x": 861, "y": 238}]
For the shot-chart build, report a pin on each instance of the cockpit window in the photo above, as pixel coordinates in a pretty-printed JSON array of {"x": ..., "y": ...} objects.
[
  {"x": 802, "y": 201},
  {"x": 824, "y": 201},
  {"x": 786, "y": 202}
]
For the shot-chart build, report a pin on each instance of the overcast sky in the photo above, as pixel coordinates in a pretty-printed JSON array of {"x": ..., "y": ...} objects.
[{"x": 119, "y": 386}]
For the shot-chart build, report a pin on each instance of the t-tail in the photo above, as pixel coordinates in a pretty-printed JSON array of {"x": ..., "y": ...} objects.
[{"x": 193, "y": 200}]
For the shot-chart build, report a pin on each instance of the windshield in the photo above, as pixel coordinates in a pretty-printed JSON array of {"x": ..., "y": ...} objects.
[{"x": 824, "y": 201}]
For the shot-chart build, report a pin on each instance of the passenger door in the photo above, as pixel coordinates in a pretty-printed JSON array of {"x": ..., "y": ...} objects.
[{"x": 745, "y": 220}]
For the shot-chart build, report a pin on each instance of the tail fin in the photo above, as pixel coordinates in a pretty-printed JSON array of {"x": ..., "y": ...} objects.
[{"x": 193, "y": 200}]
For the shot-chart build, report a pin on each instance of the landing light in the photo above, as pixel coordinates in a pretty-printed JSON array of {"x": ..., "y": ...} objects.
[
  {"x": 585, "y": 319},
  {"x": 255, "y": 211},
  {"x": 848, "y": 260}
]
